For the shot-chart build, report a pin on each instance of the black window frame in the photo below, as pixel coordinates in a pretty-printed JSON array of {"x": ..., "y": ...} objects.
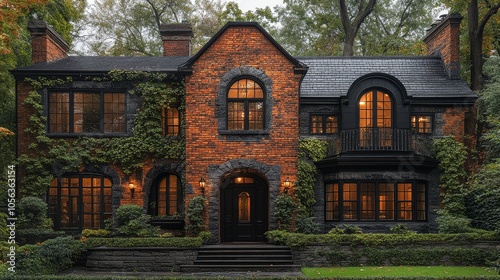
[
  {"x": 246, "y": 101},
  {"x": 71, "y": 112},
  {"x": 323, "y": 123},
  {"x": 165, "y": 120},
  {"x": 153, "y": 196},
  {"x": 416, "y": 211},
  {"x": 56, "y": 216},
  {"x": 416, "y": 127}
]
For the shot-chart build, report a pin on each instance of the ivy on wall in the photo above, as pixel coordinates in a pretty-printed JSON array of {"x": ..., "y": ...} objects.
[
  {"x": 48, "y": 156},
  {"x": 452, "y": 156},
  {"x": 310, "y": 150}
]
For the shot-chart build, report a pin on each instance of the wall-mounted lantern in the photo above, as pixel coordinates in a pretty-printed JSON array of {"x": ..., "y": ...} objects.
[
  {"x": 286, "y": 185},
  {"x": 131, "y": 187},
  {"x": 202, "y": 186}
]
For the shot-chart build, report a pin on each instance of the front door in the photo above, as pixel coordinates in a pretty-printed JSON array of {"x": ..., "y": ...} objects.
[{"x": 244, "y": 210}]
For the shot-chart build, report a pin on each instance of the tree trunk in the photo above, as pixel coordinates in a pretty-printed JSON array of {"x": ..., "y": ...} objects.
[
  {"x": 476, "y": 47},
  {"x": 351, "y": 27}
]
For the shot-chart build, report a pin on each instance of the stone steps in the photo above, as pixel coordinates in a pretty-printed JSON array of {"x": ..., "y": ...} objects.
[{"x": 246, "y": 257}]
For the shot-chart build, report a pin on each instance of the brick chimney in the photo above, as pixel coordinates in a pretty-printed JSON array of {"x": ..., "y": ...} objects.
[
  {"x": 47, "y": 45},
  {"x": 444, "y": 38},
  {"x": 176, "y": 39}
]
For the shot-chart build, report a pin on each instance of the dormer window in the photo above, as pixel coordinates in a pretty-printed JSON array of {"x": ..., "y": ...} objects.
[{"x": 245, "y": 106}]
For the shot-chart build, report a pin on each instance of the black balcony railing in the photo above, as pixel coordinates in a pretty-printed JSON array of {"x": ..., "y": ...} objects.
[{"x": 380, "y": 139}]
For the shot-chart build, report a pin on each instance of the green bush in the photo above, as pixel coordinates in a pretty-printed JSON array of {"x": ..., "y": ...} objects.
[
  {"x": 307, "y": 225},
  {"x": 92, "y": 242},
  {"x": 400, "y": 229},
  {"x": 95, "y": 233},
  {"x": 283, "y": 212},
  {"x": 452, "y": 224},
  {"x": 277, "y": 236},
  {"x": 131, "y": 221},
  {"x": 32, "y": 214},
  {"x": 50, "y": 257},
  {"x": 196, "y": 215}
]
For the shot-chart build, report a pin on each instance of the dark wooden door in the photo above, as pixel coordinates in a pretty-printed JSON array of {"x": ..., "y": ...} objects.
[{"x": 244, "y": 212}]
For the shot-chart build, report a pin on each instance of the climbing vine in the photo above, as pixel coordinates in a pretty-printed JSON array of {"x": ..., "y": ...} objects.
[
  {"x": 452, "y": 156},
  {"x": 47, "y": 155},
  {"x": 310, "y": 150}
]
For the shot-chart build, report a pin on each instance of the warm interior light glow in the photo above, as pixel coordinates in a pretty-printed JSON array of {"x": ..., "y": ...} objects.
[
  {"x": 362, "y": 103},
  {"x": 239, "y": 180}
]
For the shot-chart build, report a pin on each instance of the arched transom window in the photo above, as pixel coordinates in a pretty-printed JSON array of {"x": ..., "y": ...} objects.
[{"x": 245, "y": 106}]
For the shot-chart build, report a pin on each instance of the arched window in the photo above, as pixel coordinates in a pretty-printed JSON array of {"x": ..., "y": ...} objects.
[
  {"x": 166, "y": 196},
  {"x": 171, "y": 121},
  {"x": 80, "y": 201},
  {"x": 245, "y": 106},
  {"x": 375, "y": 119}
]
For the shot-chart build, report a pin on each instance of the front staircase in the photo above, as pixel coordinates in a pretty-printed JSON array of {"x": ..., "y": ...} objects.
[{"x": 242, "y": 258}]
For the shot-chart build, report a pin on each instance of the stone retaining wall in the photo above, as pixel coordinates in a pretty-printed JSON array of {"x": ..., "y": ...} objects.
[
  {"x": 324, "y": 255},
  {"x": 139, "y": 258}
]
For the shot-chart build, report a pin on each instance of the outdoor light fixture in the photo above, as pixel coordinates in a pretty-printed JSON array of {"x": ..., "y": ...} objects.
[
  {"x": 131, "y": 187},
  {"x": 287, "y": 184},
  {"x": 202, "y": 185}
]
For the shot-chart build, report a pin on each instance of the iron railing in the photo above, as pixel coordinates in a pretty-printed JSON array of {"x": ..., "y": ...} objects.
[{"x": 380, "y": 139}]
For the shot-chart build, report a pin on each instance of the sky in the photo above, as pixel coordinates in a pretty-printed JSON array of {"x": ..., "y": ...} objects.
[{"x": 246, "y": 5}]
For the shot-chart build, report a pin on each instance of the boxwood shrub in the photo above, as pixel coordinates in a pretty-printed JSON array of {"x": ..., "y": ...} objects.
[{"x": 92, "y": 242}]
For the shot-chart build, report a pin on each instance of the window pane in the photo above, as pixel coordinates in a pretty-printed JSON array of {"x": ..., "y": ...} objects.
[
  {"x": 421, "y": 212},
  {"x": 350, "y": 205},
  {"x": 173, "y": 195},
  {"x": 172, "y": 122},
  {"x": 331, "y": 124},
  {"x": 422, "y": 124},
  {"x": 248, "y": 111},
  {"x": 244, "y": 207},
  {"x": 87, "y": 112},
  {"x": 386, "y": 201},
  {"x": 59, "y": 112},
  {"x": 332, "y": 202},
  {"x": 161, "y": 204},
  {"x": 255, "y": 115},
  {"x": 236, "y": 115},
  {"x": 114, "y": 112},
  {"x": 405, "y": 207},
  {"x": 316, "y": 124},
  {"x": 367, "y": 201}
]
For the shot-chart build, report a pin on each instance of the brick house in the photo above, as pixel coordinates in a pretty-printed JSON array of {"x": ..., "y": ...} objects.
[{"x": 247, "y": 104}]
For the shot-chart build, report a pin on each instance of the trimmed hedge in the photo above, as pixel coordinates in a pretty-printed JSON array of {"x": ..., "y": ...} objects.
[
  {"x": 143, "y": 242},
  {"x": 375, "y": 239}
]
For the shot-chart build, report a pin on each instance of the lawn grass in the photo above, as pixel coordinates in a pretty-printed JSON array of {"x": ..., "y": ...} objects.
[{"x": 437, "y": 271}]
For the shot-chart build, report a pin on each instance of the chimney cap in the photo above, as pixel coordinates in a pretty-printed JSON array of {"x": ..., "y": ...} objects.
[
  {"x": 40, "y": 27},
  {"x": 173, "y": 29}
]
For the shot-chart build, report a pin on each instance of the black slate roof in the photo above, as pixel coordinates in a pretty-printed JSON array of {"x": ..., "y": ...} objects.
[
  {"x": 97, "y": 64},
  {"x": 422, "y": 76},
  {"x": 327, "y": 77}
]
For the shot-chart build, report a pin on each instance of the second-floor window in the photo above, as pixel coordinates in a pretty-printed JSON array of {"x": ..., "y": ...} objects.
[
  {"x": 245, "y": 106},
  {"x": 324, "y": 124},
  {"x": 81, "y": 112},
  {"x": 421, "y": 123},
  {"x": 171, "y": 121}
]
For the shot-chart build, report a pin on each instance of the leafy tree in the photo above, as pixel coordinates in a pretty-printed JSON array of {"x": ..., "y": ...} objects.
[
  {"x": 479, "y": 27},
  {"x": 132, "y": 27},
  {"x": 389, "y": 27},
  {"x": 15, "y": 51},
  {"x": 351, "y": 22},
  {"x": 396, "y": 27}
]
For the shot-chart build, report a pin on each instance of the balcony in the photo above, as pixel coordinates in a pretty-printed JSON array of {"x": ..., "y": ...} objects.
[{"x": 380, "y": 140}]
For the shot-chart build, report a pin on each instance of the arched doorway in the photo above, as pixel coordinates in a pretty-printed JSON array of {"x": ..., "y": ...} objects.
[{"x": 244, "y": 208}]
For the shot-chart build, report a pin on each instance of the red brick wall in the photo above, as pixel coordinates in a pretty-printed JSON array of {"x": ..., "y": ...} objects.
[
  {"x": 240, "y": 46},
  {"x": 445, "y": 37},
  {"x": 176, "y": 47},
  {"x": 454, "y": 125},
  {"x": 45, "y": 48}
]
